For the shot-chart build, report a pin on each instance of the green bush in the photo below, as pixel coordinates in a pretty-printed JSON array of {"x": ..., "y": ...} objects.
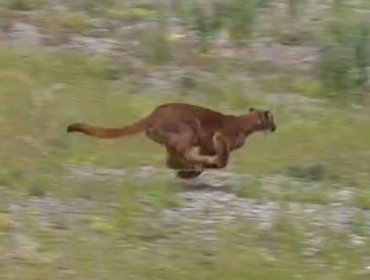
[
  {"x": 101, "y": 225},
  {"x": 24, "y": 5},
  {"x": 74, "y": 21},
  {"x": 264, "y": 3},
  {"x": 91, "y": 6},
  {"x": 334, "y": 71},
  {"x": 5, "y": 21},
  {"x": 345, "y": 60},
  {"x": 293, "y": 7},
  {"x": 242, "y": 15},
  {"x": 308, "y": 171},
  {"x": 294, "y": 36},
  {"x": 5, "y": 222},
  {"x": 155, "y": 42},
  {"x": 132, "y": 14},
  {"x": 204, "y": 20},
  {"x": 237, "y": 17}
]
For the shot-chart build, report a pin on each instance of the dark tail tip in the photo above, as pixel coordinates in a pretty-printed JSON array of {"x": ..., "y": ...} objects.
[{"x": 73, "y": 127}]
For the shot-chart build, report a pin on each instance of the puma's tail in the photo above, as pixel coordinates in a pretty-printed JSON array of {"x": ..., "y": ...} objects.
[{"x": 102, "y": 132}]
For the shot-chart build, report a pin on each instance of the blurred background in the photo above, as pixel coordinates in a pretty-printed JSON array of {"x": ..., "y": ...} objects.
[{"x": 292, "y": 205}]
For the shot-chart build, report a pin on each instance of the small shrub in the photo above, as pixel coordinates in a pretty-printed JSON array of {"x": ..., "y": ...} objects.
[
  {"x": 24, "y": 5},
  {"x": 202, "y": 27},
  {"x": 334, "y": 69},
  {"x": 264, "y": 3},
  {"x": 91, "y": 6},
  {"x": 251, "y": 189},
  {"x": 344, "y": 61},
  {"x": 101, "y": 225},
  {"x": 74, "y": 21},
  {"x": 294, "y": 36},
  {"x": 60, "y": 223},
  {"x": 294, "y": 7},
  {"x": 241, "y": 15},
  {"x": 133, "y": 14},
  {"x": 5, "y": 20},
  {"x": 308, "y": 171},
  {"x": 36, "y": 191},
  {"x": 155, "y": 43},
  {"x": 116, "y": 14},
  {"x": 5, "y": 222},
  {"x": 187, "y": 82},
  {"x": 102, "y": 68},
  {"x": 362, "y": 197}
]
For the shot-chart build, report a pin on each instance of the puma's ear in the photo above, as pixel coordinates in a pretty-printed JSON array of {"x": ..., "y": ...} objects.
[
  {"x": 251, "y": 109},
  {"x": 268, "y": 114}
]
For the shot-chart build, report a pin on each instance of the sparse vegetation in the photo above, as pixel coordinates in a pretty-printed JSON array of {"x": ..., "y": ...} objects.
[
  {"x": 74, "y": 207},
  {"x": 24, "y": 5},
  {"x": 345, "y": 61},
  {"x": 74, "y": 21},
  {"x": 5, "y": 222}
]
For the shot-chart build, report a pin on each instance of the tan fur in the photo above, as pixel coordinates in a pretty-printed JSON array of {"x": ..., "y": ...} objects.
[
  {"x": 195, "y": 137},
  {"x": 102, "y": 132}
]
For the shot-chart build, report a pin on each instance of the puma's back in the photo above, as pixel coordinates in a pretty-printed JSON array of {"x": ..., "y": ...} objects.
[{"x": 207, "y": 118}]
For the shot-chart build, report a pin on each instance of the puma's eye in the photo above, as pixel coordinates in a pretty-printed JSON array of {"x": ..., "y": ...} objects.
[{"x": 267, "y": 115}]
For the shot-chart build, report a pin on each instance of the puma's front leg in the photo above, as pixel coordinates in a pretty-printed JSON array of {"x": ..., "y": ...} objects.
[
  {"x": 222, "y": 151},
  {"x": 193, "y": 154}
]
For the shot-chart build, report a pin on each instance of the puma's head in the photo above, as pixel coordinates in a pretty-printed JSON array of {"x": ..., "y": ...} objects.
[{"x": 262, "y": 120}]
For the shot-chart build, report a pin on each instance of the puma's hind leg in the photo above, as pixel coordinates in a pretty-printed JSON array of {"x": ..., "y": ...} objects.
[
  {"x": 185, "y": 169},
  {"x": 179, "y": 138}
]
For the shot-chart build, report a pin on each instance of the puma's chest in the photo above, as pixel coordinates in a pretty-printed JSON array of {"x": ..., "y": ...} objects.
[{"x": 236, "y": 140}]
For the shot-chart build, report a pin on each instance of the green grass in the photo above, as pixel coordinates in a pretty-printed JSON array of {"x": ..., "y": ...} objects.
[
  {"x": 240, "y": 253},
  {"x": 317, "y": 150},
  {"x": 41, "y": 93},
  {"x": 362, "y": 198},
  {"x": 287, "y": 189},
  {"x": 4, "y": 222}
]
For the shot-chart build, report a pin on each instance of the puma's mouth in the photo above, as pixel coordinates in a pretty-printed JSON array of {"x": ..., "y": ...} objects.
[{"x": 269, "y": 131}]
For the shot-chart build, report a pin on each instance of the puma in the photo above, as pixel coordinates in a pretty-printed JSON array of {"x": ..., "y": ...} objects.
[{"x": 195, "y": 137}]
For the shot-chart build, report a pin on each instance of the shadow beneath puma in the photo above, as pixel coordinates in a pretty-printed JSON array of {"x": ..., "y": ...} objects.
[{"x": 198, "y": 185}]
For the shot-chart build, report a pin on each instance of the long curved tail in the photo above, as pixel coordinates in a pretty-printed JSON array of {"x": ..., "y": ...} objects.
[{"x": 103, "y": 132}]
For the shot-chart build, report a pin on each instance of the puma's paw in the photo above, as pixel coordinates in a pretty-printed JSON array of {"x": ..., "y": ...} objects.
[
  {"x": 198, "y": 167},
  {"x": 212, "y": 160},
  {"x": 214, "y": 163},
  {"x": 188, "y": 174}
]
